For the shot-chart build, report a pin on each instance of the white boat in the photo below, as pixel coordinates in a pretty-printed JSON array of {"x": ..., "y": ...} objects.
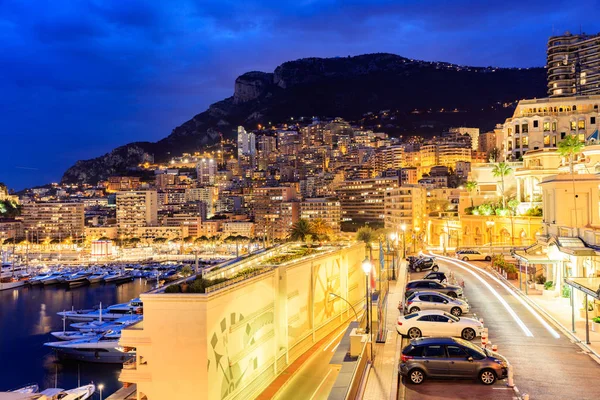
[
  {"x": 27, "y": 389},
  {"x": 100, "y": 326},
  {"x": 77, "y": 279},
  {"x": 116, "y": 278},
  {"x": 98, "y": 349},
  {"x": 96, "y": 278},
  {"x": 77, "y": 335},
  {"x": 80, "y": 393},
  {"x": 11, "y": 283},
  {"x": 111, "y": 313},
  {"x": 7, "y": 270},
  {"x": 52, "y": 279}
]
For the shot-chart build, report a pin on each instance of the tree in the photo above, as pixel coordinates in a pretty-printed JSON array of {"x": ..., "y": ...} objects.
[
  {"x": 494, "y": 155},
  {"x": 321, "y": 229},
  {"x": 366, "y": 235},
  {"x": 201, "y": 239},
  {"x": 300, "y": 230},
  {"x": 512, "y": 205},
  {"x": 471, "y": 187},
  {"x": 569, "y": 147},
  {"x": 160, "y": 240},
  {"x": 501, "y": 170}
]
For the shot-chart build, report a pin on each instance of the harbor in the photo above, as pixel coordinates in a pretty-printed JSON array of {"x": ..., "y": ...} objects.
[{"x": 29, "y": 314}]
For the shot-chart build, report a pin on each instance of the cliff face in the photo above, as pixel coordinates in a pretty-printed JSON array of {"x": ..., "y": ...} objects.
[{"x": 338, "y": 87}]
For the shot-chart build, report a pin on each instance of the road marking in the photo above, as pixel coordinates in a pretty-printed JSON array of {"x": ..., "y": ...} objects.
[
  {"x": 334, "y": 339},
  {"x": 335, "y": 348},
  {"x": 527, "y": 306},
  {"x": 512, "y": 312},
  {"x": 320, "y": 384}
]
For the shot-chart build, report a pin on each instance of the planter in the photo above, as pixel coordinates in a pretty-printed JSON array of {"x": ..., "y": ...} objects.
[
  {"x": 539, "y": 286},
  {"x": 549, "y": 294},
  {"x": 595, "y": 326},
  {"x": 591, "y": 314},
  {"x": 512, "y": 276}
]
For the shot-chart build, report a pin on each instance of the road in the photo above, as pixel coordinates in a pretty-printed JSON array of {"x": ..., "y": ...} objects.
[
  {"x": 547, "y": 364},
  {"x": 315, "y": 378}
]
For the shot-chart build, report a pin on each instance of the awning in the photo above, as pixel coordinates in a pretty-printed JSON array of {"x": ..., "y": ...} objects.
[
  {"x": 593, "y": 136},
  {"x": 533, "y": 258},
  {"x": 573, "y": 246},
  {"x": 589, "y": 286}
]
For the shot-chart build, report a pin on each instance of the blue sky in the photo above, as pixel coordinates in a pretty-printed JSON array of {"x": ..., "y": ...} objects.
[{"x": 79, "y": 78}]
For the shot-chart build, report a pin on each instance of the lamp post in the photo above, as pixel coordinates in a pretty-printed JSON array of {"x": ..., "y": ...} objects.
[
  {"x": 490, "y": 224},
  {"x": 367, "y": 266},
  {"x": 100, "y": 387},
  {"x": 353, "y": 309},
  {"x": 394, "y": 238},
  {"x": 403, "y": 227}
]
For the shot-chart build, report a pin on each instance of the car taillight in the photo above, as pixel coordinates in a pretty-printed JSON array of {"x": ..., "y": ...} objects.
[
  {"x": 409, "y": 303},
  {"x": 406, "y": 358},
  {"x": 399, "y": 322}
]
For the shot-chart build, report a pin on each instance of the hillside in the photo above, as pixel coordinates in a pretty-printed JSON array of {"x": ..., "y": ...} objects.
[{"x": 338, "y": 87}]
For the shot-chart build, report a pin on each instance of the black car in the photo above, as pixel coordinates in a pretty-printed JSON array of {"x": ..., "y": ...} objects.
[
  {"x": 436, "y": 276},
  {"x": 424, "y": 263}
]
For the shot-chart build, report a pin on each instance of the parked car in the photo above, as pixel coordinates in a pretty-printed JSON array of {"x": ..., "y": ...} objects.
[
  {"x": 435, "y": 301},
  {"x": 412, "y": 259},
  {"x": 450, "y": 358},
  {"x": 421, "y": 285},
  {"x": 473, "y": 255},
  {"x": 437, "y": 276},
  {"x": 425, "y": 263},
  {"x": 438, "y": 323}
]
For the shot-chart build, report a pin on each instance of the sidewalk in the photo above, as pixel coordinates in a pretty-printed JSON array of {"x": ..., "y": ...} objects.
[{"x": 382, "y": 382}]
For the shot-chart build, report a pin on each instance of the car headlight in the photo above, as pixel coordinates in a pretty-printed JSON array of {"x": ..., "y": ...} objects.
[{"x": 501, "y": 362}]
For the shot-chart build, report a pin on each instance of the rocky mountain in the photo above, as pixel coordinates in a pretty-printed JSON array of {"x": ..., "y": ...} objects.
[{"x": 338, "y": 87}]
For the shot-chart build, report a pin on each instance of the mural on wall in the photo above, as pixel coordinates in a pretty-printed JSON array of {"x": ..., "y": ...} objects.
[
  {"x": 327, "y": 280},
  {"x": 239, "y": 348},
  {"x": 298, "y": 287}
]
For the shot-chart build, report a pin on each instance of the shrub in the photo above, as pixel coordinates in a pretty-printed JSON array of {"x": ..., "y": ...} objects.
[
  {"x": 186, "y": 270},
  {"x": 566, "y": 291},
  {"x": 596, "y": 320},
  {"x": 549, "y": 285},
  {"x": 469, "y": 210},
  {"x": 173, "y": 289},
  {"x": 541, "y": 279},
  {"x": 510, "y": 268}
]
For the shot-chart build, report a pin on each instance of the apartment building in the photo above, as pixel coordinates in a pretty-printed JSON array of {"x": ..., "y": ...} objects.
[
  {"x": 573, "y": 65},
  {"x": 275, "y": 210},
  {"x": 405, "y": 205},
  {"x": 473, "y": 133},
  {"x": 327, "y": 209},
  {"x": 118, "y": 183},
  {"x": 206, "y": 171},
  {"x": 136, "y": 209},
  {"x": 53, "y": 220},
  {"x": 362, "y": 200}
]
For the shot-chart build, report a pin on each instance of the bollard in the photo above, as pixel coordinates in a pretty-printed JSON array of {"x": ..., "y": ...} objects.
[{"x": 511, "y": 380}]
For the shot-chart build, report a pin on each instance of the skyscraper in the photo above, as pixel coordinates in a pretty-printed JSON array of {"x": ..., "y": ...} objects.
[
  {"x": 206, "y": 170},
  {"x": 573, "y": 65},
  {"x": 246, "y": 143}
]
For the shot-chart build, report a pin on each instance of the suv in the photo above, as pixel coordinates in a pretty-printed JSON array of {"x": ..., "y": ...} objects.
[
  {"x": 424, "y": 263},
  {"x": 435, "y": 301},
  {"x": 472, "y": 255},
  {"x": 452, "y": 358},
  {"x": 421, "y": 285}
]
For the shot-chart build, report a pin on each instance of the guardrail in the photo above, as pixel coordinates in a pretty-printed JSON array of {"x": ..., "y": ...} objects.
[{"x": 233, "y": 281}]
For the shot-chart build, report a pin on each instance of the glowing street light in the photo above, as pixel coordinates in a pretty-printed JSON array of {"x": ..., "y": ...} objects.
[
  {"x": 367, "y": 266},
  {"x": 403, "y": 227},
  {"x": 100, "y": 387}
]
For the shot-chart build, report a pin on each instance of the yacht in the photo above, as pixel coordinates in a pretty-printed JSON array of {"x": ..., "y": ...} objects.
[
  {"x": 117, "y": 277},
  {"x": 96, "y": 277},
  {"x": 99, "y": 326},
  {"x": 77, "y": 335},
  {"x": 52, "y": 279},
  {"x": 77, "y": 279},
  {"x": 8, "y": 270},
  {"x": 12, "y": 283},
  {"x": 111, "y": 313},
  {"x": 99, "y": 349},
  {"x": 33, "y": 388}
]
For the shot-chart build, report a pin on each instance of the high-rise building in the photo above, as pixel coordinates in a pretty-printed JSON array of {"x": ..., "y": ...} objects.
[
  {"x": 362, "y": 199},
  {"x": 275, "y": 210},
  {"x": 206, "y": 170},
  {"x": 404, "y": 206},
  {"x": 327, "y": 209},
  {"x": 53, "y": 220},
  {"x": 573, "y": 65},
  {"x": 487, "y": 141},
  {"x": 472, "y": 132},
  {"x": 246, "y": 142},
  {"x": 136, "y": 209}
]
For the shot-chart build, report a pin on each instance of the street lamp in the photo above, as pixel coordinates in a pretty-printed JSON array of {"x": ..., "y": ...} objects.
[
  {"x": 340, "y": 297},
  {"x": 100, "y": 387},
  {"x": 394, "y": 237},
  {"x": 490, "y": 224},
  {"x": 403, "y": 227}
]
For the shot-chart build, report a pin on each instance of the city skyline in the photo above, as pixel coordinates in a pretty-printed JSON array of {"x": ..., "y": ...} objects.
[{"x": 83, "y": 79}]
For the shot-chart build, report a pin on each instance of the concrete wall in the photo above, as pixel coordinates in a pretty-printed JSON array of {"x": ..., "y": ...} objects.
[{"x": 231, "y": 343}]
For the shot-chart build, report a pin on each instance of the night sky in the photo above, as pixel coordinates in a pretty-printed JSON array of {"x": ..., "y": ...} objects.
[{"x": 79, "y": 78}]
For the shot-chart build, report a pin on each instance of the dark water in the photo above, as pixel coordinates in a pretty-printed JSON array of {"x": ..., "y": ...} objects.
[{"x": 27, "y": 315}]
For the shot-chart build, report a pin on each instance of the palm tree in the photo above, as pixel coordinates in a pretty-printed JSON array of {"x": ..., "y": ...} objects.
[
  {"x": 321, "y": 229},
  {"x": 366, "y": 235},
  {"x": 471, "y": 187},
  {"x": 501, "y": 170},
  {"x": 569, "y": 147},
  {"x": 300, "y": 230}
]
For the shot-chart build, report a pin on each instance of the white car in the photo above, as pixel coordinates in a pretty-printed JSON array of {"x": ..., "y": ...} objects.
[
  {"x": 438, "y": 323},
  {"x": 435, "y": 301},
  {"x": 472, "y": 255}
]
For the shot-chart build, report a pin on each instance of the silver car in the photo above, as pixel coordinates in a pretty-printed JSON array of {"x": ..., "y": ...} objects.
[
  {"x": 435, "y": 301},
  {"x": 421, "y": 285}
]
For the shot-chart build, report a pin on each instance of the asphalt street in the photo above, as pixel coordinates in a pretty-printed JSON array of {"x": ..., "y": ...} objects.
[{"x": 547, "y": 365}]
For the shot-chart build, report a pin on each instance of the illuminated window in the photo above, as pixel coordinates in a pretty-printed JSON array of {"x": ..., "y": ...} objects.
[
  {"x": 546, "y": 140},
  {"x": 525, "y": 141},
  {"x": 581, "y": 137},
  {"x": 554, "y": 127},
  {"x": 573, "y": 125},
  {"x": 546, "y": 127},
  {"x": 581, "y": 124}
]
